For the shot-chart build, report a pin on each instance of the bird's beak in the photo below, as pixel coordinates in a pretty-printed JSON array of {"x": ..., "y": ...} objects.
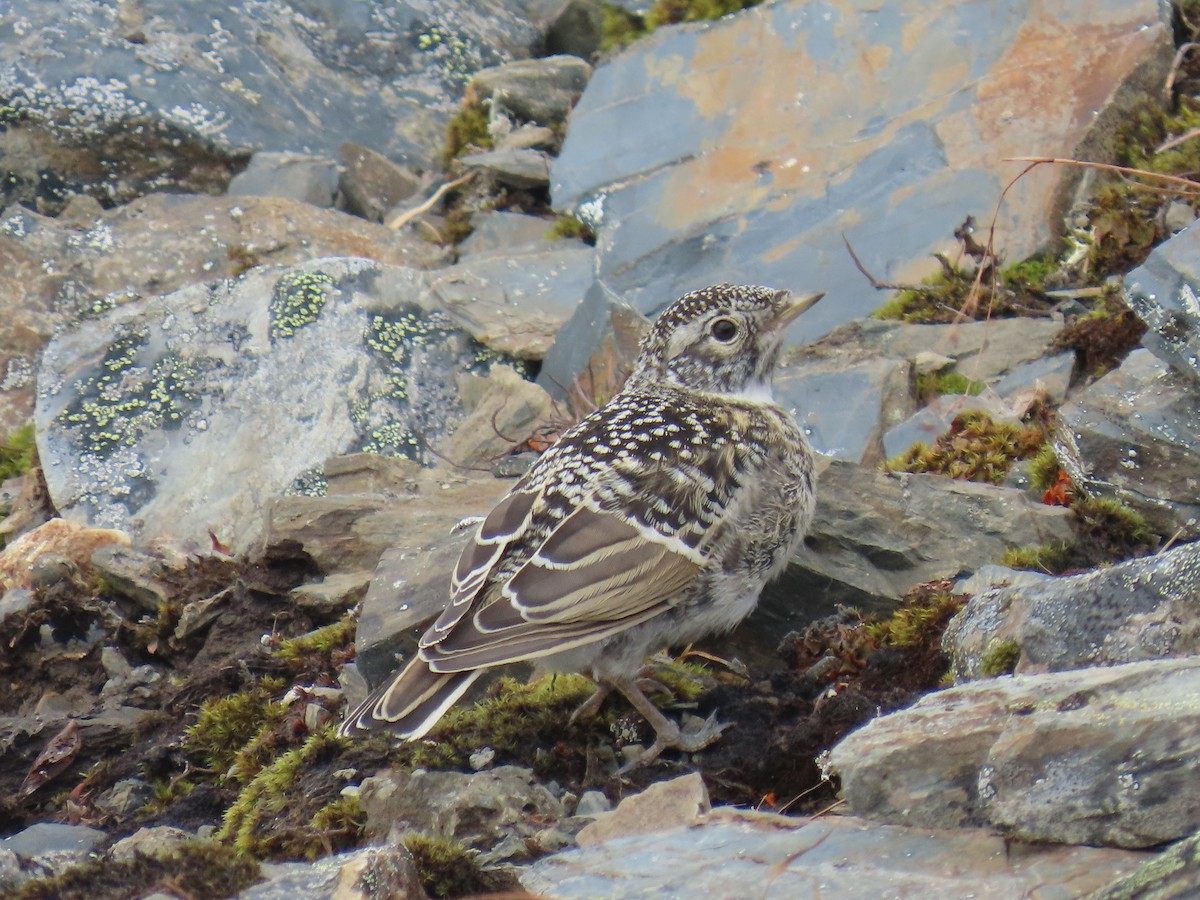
[{"x": 791, "y": 306}]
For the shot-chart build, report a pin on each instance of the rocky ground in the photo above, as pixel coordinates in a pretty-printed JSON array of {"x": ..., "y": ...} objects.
[{"x": 292, "y": 288}]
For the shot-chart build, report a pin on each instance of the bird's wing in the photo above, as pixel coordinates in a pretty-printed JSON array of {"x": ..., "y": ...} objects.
[{"x": 581, "y": 551}]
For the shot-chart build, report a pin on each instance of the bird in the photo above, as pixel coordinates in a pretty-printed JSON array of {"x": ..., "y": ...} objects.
[{"x": 654, "y": 521}]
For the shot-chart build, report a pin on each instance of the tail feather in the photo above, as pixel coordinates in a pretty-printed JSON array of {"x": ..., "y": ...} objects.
[{"x": 411, "y": 703}]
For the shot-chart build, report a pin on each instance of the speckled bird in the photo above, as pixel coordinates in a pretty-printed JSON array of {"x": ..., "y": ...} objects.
[{"x": 654, "y": 521}]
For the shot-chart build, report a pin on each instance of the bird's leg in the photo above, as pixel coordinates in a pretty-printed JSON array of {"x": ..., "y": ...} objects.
[
  {"x": 667, "y": 735},
  {"x": 591, "y": 705}
]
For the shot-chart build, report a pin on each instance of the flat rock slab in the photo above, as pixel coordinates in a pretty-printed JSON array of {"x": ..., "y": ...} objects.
[
  {"x": 173, "y": 416},
  {"x": 1092, "y": 756},
  {"x": 875, "y": 535},
  {"x": 1140, "y": 609},
  {"x": 202, "y": 82},
  {"x": 1132, "y": 436},
  {"x": 743, "y": 149},
  {"x": 1165, "y": 294},
  {"x": 733, "y": 855}
]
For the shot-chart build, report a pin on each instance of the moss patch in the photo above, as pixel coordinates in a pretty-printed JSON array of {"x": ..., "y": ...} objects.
[
  {"x": 620, "y": 28},
  {"x": 975, "y": 448},
  {"x": 227, "y": 724},
  {"x": 18, "y": 452},
  {"x": 467, "y": 132},
  {"x": 937, "y": 384},
  {"x": 446, "y": 867},
  {"x": 1001, "y": 658},
  {"x": 1103, "y": 337},
  {"x": 569, "y": 227}
]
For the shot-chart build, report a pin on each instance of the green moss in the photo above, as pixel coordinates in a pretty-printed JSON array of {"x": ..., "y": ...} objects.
[
  {"x": 941, "y": 298},
  {"x": 467, "y": 132},
  {"x": 935, "y": 384},
  {"x": 446, "y": 868},
  {"x": 1001, "y": 658},
  {"x": 619, "y": 28},
  {"x": 570, "y": 227},
  {"x": 1029, "y": 274},
  {"x": 1102, "y": 337},
  {"x": 199, "y": 869},
  {"x": 226, "y": 725},
  {"x": 265, "y": 820},
  {"x": 1052, "y": 557},
  {"x": 322, "y": 643},
  {"x": 975, "y": 448},
  {"x": 1119, "y": 524},
  {"x": 921, "y": 620},
  {"x": 1043, "y": 471},
  {"x": 18, "y": 452}
]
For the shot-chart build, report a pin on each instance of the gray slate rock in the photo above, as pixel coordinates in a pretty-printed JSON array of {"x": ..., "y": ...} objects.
[
  {"x": 156, "y": 417},
  {"x": 296, "y": 176},
  {"x": 732, "y": 855},
  {"x": 1173, "y": 874},
  {"x": 368, "y": 872},
  {"x": 743, "y": 149},
  {"x": 204, "y": 83},
  {"x": 477, "y": 808},
  {"x": 1165, "y": 294},
  {"x": 1096, "y": 756},
  {"x": 499, "y": 231},
  {"x": 935, "y": 418},
  {"x": 1140, "y": 609},
  {"x": 1132, "y": 436},
  {"x": 875, "y": 535},
  {"x": 371, "y": 183},
  {"x": 532, "y": 90},
  {"x": 57, "y": 272},
  {"x": 516, "y": 302},
  {"x": 521, "y": 169}
]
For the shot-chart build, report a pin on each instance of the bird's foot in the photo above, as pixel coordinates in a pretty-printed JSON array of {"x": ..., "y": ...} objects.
[
  {"x": 693, "y": 737},
  {"x": 591, "y": 705}
]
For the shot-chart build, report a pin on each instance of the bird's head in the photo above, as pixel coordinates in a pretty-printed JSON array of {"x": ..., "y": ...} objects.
[{"x": 723, "y": 340}]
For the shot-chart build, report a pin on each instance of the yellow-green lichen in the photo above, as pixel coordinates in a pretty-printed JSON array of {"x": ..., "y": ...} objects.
[
  {"x": 297, "y": 301},
  {"x": 126, "y": 400}
]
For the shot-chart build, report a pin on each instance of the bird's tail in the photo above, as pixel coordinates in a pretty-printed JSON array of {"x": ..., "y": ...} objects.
[{"x": 411, "y": 703}]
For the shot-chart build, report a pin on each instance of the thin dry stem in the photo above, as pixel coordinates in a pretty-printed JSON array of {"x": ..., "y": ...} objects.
[{"x": 407, "y": 216}]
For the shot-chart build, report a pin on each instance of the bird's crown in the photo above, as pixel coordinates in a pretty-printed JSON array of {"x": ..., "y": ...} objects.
[{"x": 723, "y": 339}]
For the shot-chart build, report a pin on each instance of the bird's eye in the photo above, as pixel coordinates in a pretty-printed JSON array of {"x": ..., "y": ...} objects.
[{"x": 724, "y": 330}]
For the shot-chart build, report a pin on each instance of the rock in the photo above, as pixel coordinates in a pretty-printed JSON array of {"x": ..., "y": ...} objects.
[
  {"x": 749, "y": 178},
  {"x": 203, "y": 84},
  {"x": 1178, "y": 217},
  {"x": 339, "y": 591},
  {"x": 595, "y": 349},
  {"x": 1164, "y": 294},
  {"x": 662, "y": 806},
  {"x": 875, "y": 535},
  {"x": 1140, "y": 609},
  {"x": 125, "y": 798},
  {"x": 156, "y": 840},
  {"x": 845, "y": 408},
  {"x": 1131, "y": 436},
  {"x": 346, "y": 532},
  {"x": 153, "y": 246},
  {"x": 476, "y": 808},
  {"x": 1049, "y": 376},
  {"x": 132, "y": 573},
  {"x": 368, "y": 873},
  {"x": 734, "y": 854},
  {"x": 1170, "y": 875},
  {"x": 63, "y": 539},
  {"x": 1092, "y": 756},
  {"x": 296, "y": 176},
  {"x": 155, "y": 417},
  {"x": 528, "y": 137},
  {"x": 515, "y": 303},
  {"x": 51, "y": 847},
  {"x": 592, "y": 803},
  {"x": 521, "y": 169},
  {"x": 505, "y": 232},
  {"x": 576, "y": 28},
  {"x": 372, "y": 184},
  {"x": 532, "y": 90},
  {"x": 507, "y": 413}
]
